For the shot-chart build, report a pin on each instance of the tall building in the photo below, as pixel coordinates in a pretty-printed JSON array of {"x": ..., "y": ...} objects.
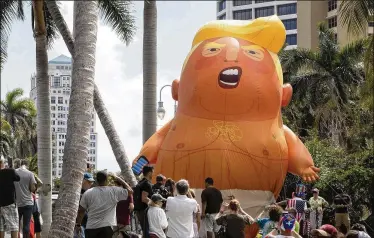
[
  {"x": 59, "y": 71},
  {"x": 252, "y": 9},
  {"x": 313, "y": 12},
  {"x": 300, "y": 18}
]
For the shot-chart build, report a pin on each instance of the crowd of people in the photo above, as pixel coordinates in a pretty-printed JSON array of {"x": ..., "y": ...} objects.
[
  {"x": 167, "y": 209},
  {"x": 18, "y": 206}
]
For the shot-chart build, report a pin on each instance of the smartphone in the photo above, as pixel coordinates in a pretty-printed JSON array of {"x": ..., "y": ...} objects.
[{"x": 138, "y": 166}]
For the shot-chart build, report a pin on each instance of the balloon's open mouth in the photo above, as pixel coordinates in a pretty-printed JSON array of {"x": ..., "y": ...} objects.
[{"x": 229, "y": 77}]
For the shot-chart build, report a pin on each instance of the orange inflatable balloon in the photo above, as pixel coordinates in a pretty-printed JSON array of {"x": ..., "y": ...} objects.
[{"x": 228, "y": 125}]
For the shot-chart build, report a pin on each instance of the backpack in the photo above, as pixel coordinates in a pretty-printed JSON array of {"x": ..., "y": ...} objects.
[{"x": 138, "y": 204}]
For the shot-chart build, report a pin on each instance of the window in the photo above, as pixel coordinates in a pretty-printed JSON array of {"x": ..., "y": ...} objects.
[
  {"x": 92, "y": 137},
  {"x": 242, "y": 2},
  {"x": 53, "y": 100},
  {"x": 53, "y": 115},
  {"x": 222, "y": 17},
  {"x": 53, "y": 173},
  {"x": 221, "y": 5},
  {"x": 53, "y": 123},
  {"x": 53, "y": 108},
  {"x": 66, "y": 101},
  {"x": 332, "y": 22},
  {"x": 60, "y": 158},
  {"x": 243, "y": 14},
  {"x": 92, "y": 123},
  {"x": 291, "y": 39},
  {"x": 57, "y": 67},
  {"x": 336, "y": 38},
  {"x": 371, "y": 23},
  {"x": 93, "y": 144},
  {"x": 290, "y": 24},
  {"x": 59, "y": 91},
  {"x": 56, "y": 81},
  {"x": 59, "y": 173},
  {"x": 262, "y": 1},
  {"x": 287, "y": 9},
  {"x": 332, "y": 5},
  {"x": 66, "y": 67},
  {"x": 60, "y": 100},
  {"x": 264, "y": 11}
]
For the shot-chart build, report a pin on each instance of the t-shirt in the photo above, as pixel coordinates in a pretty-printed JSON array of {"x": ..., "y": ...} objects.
[
  {"x": 123, "y": 211},
  {"x": 146, "y": 186},
  {"x": 100, "y": 203},
  {"x": 23, "y": 193},
  {"x": 317, "y": 203},
  {"x": 342, "y": 201},
  {"x": 213, "y": 199},
  {"x": 7, "y": 188},
  {"x": 235, "y": 224},
  {"x": 157, "y": 221}
]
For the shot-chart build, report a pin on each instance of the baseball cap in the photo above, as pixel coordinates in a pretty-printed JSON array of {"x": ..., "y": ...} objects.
[
  {"x": 315, "y": 190},
  {"x": 287, "y": 222},
  {"x": 157, "y": 198},
  {"x": 88, "y": 177},
  {"x": 325, "y": 231}
]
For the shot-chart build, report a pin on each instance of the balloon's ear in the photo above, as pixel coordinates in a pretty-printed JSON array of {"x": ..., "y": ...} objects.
[
  {"x": 174, "y": 89},
  {"x": 286, "y": 94}
]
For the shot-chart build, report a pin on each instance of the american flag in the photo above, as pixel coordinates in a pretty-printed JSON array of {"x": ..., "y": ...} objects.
[{"x": 299, "y": 205}]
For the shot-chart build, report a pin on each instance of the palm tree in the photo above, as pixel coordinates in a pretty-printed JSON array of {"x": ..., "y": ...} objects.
[
  {"x": 18, "y": 112},
  {"x": 79, "y": 121},
  {"x": 323, "y": 79},
  {"x": 118, "y": 15},
  {"x": 149, "y": 69},
  {"x": 5, "y": 138},
  {"x": 44, "y": 141},
  {"x": 355, "y": 16}
]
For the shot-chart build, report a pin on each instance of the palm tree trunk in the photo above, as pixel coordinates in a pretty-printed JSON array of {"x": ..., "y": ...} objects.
[
  {"x": 105, "y": 119},
  {"x": 79, "y": 121},
  {"x": 149, "y": 69},
  {"x": 44, "y": 141},
  {"x": 115, "y": 142}
]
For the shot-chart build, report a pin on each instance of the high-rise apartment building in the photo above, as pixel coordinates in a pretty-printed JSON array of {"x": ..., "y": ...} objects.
[
  {"x": 300, "y": 18},
  {"x": 59, "y": 71},
  {"x": 252, "y": 9},
  {"x": 313, "y": 12}
]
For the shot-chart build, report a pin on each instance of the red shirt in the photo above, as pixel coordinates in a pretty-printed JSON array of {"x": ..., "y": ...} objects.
[{"x": 123, "y": 211}]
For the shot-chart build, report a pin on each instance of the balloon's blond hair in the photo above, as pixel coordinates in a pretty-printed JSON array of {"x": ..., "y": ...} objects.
[{"x": 267, "y": 32}]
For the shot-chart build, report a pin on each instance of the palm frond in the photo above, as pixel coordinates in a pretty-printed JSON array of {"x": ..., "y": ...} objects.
[
  {"x": 11, "y": 96},
  {"x": 354, "y": 15},
  {"x": 119, "y": 16},
  {"x": 51, "y": 28},
  {"x": 9, "y": 11},
  {"x": 353, "y": 52},
  {"x": 328, "y": 48}
]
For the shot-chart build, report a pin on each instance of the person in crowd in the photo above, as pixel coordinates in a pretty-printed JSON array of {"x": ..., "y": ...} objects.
[
  {"x": 286, "y": 228},
  {"x": 24, "y": 189},
  {"x": 196, "y": 215},
  {"x": 170, "y": 186},
  {"x": 8, "y": 208},
  {"x": 299, "y": 204},
  {"x": 36, "y": 217},
  {"x": 361, "y": 229},
  {"x": 317, "y": 203},
  {"x": 211, "y": 199},
  {"x": 177, "y": 210},
  {"x": 325, "y": 231},
  {"x": 159, "y": 188},
  {"x": 87, "y": 183},
  {"x": 341, "y": 203},
  {"x": 235, "y": 221},
  {"x": 123, "y": 211},
  {"x": 143, "y": 193},
  {"x": 269, "y": 223},
  {"x": 156, "y": 217},
  {"x": 293, "y": 212},
  {"x": 101, "y": 202}
]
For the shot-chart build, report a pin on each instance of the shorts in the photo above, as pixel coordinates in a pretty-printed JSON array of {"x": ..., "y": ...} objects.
[
  {"x": 9, "y": 218},
  {"x": 37, "y": 224},
  {"x": 210, "y": 223}
]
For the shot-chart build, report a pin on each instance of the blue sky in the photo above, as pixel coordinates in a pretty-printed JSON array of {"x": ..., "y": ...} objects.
[{"x": 118, "y": 68}]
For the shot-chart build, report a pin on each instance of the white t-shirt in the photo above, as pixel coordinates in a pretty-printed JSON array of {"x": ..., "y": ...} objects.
[
  {"x": 100, "y": 204},
  {"x": 23, "y": 193},
  {"x": 157, "y": 221},
  {"x": 179, "y": 210}
]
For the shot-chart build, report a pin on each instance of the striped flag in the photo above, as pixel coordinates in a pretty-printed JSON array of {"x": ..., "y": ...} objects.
[{"x": 299, "y": 205}]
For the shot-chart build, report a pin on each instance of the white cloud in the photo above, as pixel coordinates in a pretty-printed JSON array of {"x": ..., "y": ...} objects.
[{"x": 119, "y": 72}]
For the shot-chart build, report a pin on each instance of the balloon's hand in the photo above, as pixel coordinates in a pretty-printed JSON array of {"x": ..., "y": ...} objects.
[{"x": 310, "y": 174}]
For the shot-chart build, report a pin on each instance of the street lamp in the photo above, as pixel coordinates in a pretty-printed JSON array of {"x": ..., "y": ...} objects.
[{"x": 161, "y": 110}]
